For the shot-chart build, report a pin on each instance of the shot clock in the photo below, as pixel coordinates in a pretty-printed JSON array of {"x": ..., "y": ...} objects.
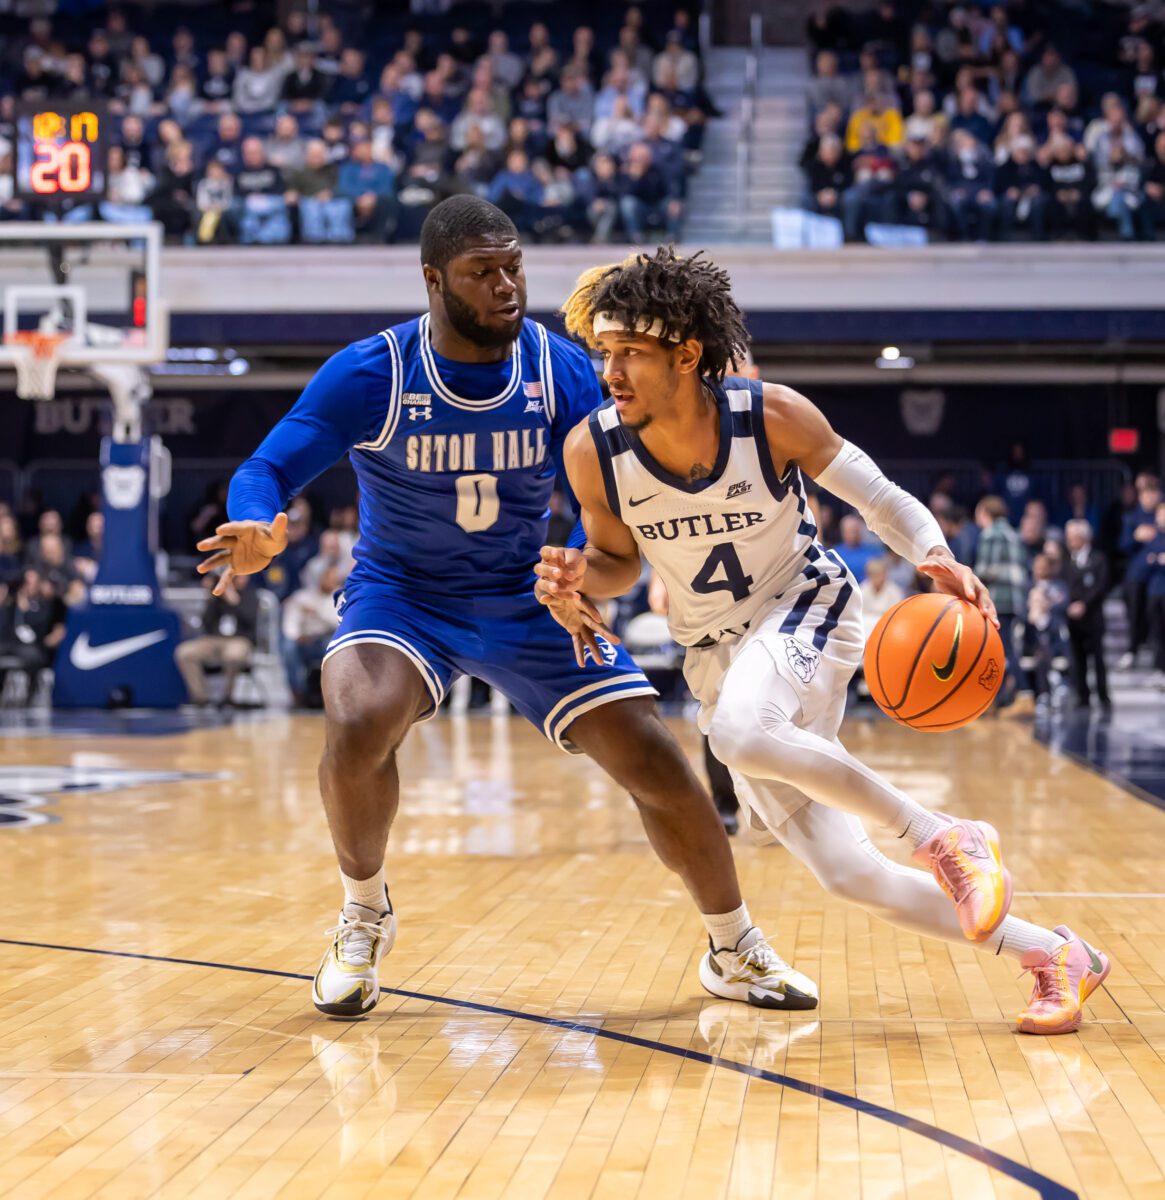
[{"x": 61, "y": 150}]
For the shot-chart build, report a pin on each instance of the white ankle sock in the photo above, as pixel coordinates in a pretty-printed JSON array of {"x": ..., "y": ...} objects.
[
  {"x": 726, "y": 929},
  {"x": 1014, "y": 936},
  {"x": 371, "y": 893},
  {"x": 917, "y": 824}
]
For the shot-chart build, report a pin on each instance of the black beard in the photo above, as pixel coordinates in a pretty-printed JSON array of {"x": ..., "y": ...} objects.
[
  {"x": 637, "y": 426},
  {"x": 466, "y": 325}
]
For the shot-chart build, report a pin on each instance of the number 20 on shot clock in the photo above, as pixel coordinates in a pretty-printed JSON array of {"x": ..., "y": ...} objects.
[{"x": 60, "y": 151}]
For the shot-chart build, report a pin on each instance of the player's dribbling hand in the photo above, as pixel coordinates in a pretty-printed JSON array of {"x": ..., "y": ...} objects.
[
  {"x": 950, "y": 576},
  {"x": 242, "y": 548}
]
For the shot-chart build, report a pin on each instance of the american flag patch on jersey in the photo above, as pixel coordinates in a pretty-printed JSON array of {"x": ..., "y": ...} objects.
[{"x": 533, "y": 389}]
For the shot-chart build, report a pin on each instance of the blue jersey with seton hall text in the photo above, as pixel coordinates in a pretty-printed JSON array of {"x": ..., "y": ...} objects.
[{"x": 456, "y": 461}]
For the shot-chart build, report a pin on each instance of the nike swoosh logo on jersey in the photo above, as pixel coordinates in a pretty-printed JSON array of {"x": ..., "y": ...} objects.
[
  {"x": 944, "y": 672},
  {"x": 637, "y": 503},
  {"x": 89, "y": 658}
]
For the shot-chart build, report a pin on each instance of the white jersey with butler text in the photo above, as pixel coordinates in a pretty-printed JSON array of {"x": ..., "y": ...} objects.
[
  {"x": 743, "y": 567},
  {"x": 727, "y": 545}
]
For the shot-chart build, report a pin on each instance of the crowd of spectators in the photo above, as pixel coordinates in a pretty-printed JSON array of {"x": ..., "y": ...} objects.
[
  {"x": 1049, "y": 569},
  {"x": 1008, "y": 121},
  {"x": 313, "y": 129}
]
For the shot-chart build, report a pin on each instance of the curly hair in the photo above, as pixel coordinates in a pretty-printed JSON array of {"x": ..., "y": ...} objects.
[{"x": 692, "y": 297}]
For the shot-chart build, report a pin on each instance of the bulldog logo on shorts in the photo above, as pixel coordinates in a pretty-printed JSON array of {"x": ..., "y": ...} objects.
[{"x": 802, "y": 658}]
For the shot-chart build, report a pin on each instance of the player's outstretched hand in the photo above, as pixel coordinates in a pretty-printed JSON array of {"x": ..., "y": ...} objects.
[
  {"x": 560, "y": 571},
  {"x": 950, "y": 576},
  {"x": 579, "y": 617},
  {"x": 242, "y": 548}
]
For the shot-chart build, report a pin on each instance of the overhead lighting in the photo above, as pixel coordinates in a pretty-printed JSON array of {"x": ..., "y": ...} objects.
[{"x": 892, "y": 359}]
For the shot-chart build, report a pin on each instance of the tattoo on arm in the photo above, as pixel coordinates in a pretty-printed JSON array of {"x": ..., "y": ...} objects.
[{"x": 699, "y": 471}]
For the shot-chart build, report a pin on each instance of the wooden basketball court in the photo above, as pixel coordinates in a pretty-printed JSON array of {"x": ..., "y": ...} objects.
[{"x": 549, "y": 1037}]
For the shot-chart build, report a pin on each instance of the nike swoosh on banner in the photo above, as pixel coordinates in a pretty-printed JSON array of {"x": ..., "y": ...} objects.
[
  {"x": 636, "y": 503},
  {"x": 89, "y": 658},
  {"x": 948, "y": 668}
]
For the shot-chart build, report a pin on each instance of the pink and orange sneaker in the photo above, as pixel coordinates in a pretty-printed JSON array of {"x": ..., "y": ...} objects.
[
  {"x": 965, "y": 860},
  {"x": 1064, "y": 980}
]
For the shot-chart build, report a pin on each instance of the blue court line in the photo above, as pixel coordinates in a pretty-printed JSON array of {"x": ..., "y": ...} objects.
[{"x": 1047, "y": 1189}]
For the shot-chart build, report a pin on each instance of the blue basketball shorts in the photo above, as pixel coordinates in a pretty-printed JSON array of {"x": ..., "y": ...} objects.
[{"x": 512, "y": 642}]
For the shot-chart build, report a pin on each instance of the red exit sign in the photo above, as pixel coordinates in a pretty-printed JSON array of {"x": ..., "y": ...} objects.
[{"x": 1124, "y": 441}]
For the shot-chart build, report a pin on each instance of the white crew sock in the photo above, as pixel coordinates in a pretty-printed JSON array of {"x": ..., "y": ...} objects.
[
  {"x": 371, "y": 893},
  {"x": 1014, "y": 936},
  {"x": 917, "y": 824},
  {"x": 726, "y": 929}
]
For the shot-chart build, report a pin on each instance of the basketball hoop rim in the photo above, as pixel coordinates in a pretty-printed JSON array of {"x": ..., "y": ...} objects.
[{"x": 37, "y": 359}]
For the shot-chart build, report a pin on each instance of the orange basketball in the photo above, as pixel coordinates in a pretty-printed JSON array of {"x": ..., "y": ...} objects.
[{"x": 934, "y": 662}]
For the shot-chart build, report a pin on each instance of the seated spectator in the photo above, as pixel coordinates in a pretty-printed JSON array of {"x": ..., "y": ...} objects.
[
  {"x": 1046, "y": 76},
  {"x": 286, "y": 149},
  {"x": 961, "y": 533},
  {"x": 569, "y": 149},
  {"x": 645, "y": 199},
  {"x": 1020, "y": 184},
  {"x": 681, "y": 60},
  {"x": 918, "y": 188},
  {"x": 476, "y": 166},
  {"x": 885, "y": 123},
  {"x": 1155, "y": 190},
  {"x": 508, "y": 68},
  {"x": 304, "y": 87},
  {"x": 830, "y": 176},
  {"x": 258, "y": 85},
  {"x": 426, "y": 179},
  {"x": 1071, "y": 182},
  {"x": 970, "y": 188},
  {"x": 131, "y": 186},
  {"x": 827, "y": 122},
  {"x": 152, "y": 66},
  {"x": 872, "y": 196},
  {"x": 1014, "y": 127},
  {"x": 620, "y": 85},
  {"x": 335, "y": 138},
  {"x": 256, "y": 176},
  {"x": 333, "y": 553},
  {"x": 573, "y": 103},
  {"x": 350, "y": 89},
  {"x": 318, "y": 176},
  {"x": 614, "y": 133},
  {"x": 1033, "y": 527},
  {"x": 217, "y": 87},
  {"x": 638, "y": 55},
  {"x": 370, "y": 186},
  {"x": 172, "y": 201},
  {"x": 168, "y": 135},
  {"x": 828, "y": 85},
  {"x": 603, "y": 197},
  {"x": 54, "y": 562},
  {"x": 1147, "y": 76},
  {"x": 584, "y": 55},
  {"x": 11, "y": 553},
  {"x": 32, "y": 626},
  {"x": 227, "y": 638},
  {"x": 309, "y": 623},
  {"x": 1112, "y": 128},
  {"x": 1044, "y": 646},
  {"x": 1118, "y": 197},
  {"x": 879, "y": 593},
  {"x": 228, "y": 148},
  {"x": 854, "y": 549},
  {"x": 517, "y": 191},
  {"x": 478, "y": 113},
  {"x": 133, "y": 94},
  {"x": 924, "y": 123},
  {"x": 214, "y": 197},
  {"x": 87, "y": 558},
  {"x": 530, "y": 103},
  {"x": 672, "y": 126}
]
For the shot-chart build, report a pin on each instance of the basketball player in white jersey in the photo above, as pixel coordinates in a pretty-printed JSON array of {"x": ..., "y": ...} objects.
[{"x": 702, "y": 474}]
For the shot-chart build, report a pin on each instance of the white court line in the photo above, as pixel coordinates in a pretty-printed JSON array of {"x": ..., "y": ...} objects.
[{"x": 1101, "y": 895}]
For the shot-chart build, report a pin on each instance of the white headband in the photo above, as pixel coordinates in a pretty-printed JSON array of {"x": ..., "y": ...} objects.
[{"x": 608, "y": 323}]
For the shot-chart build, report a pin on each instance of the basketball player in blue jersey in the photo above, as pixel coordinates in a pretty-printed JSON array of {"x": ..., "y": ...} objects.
[
  {"x": 701, "y": 473},
  {"x": 454, "y": 423}
]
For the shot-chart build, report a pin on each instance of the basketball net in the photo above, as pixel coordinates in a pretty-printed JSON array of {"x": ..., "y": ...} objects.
[{"x": 37, "y": 357}]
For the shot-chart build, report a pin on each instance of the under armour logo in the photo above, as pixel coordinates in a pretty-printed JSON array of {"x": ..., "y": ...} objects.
[{"x": 420, "y": 414}]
